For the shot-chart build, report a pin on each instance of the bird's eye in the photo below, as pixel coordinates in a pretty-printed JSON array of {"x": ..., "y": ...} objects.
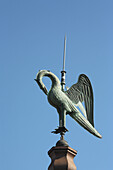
[{"x": 48, "y": 70}]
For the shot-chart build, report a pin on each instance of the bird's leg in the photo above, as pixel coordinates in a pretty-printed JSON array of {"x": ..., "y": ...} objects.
[
  {"x": 62, "y": 123},
  {"x": 62, "y": 118}
]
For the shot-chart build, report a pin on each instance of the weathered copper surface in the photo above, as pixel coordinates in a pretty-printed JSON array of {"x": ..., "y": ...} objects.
[
  {"x": 62, "y": 158},
  {"x": 66, "y": 102}
]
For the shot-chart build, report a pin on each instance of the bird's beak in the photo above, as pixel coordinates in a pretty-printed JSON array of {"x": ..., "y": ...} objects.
[
  {"x": 35, "y": 80},
  {"x": 38, "y": 82}
]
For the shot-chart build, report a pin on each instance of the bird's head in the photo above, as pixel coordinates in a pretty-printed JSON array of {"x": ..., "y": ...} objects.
[{"x": 39, "y": 77}]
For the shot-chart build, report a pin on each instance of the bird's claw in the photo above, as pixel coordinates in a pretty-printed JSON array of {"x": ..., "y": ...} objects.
[{"x": 60, "y": 130}]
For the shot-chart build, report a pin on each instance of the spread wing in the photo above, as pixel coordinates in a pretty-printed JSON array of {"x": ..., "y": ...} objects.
[{"x": 82, "y": 91}]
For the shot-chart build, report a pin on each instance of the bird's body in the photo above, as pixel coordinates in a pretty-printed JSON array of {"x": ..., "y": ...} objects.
[
  {"x": 67, "y": 101},
  {"x": 58, "y": 99}
]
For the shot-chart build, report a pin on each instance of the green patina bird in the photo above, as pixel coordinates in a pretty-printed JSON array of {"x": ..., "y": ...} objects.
[{"x": 66, "y": 102}]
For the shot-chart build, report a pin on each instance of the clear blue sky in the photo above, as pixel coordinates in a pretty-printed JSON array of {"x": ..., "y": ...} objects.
[{"x": 31, "y": 38}]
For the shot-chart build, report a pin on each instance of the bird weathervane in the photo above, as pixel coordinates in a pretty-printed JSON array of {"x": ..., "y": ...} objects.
[{"x": 67, "y": 102}]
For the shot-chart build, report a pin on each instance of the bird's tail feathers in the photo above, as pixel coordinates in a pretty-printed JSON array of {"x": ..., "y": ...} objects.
[{"x": 84, "y": 123}]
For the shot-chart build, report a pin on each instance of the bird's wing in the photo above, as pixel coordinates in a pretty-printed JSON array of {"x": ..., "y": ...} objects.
[{"x": 82, "y": 91}]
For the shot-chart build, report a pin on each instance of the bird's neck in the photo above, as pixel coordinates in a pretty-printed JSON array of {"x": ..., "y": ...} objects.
[{"x": 54, "y": 79}]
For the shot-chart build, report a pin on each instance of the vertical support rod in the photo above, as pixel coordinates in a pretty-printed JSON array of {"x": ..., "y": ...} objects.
[
  {"x": 62, "y": 116},
  {"x": 63, "y": 72}
]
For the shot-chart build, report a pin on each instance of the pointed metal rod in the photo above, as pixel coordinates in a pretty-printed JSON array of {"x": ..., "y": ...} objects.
[{"x": 64, "y": 53}]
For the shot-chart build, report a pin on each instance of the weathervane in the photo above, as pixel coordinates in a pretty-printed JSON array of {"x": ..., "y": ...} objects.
[{"x": 66, "y": 102}]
